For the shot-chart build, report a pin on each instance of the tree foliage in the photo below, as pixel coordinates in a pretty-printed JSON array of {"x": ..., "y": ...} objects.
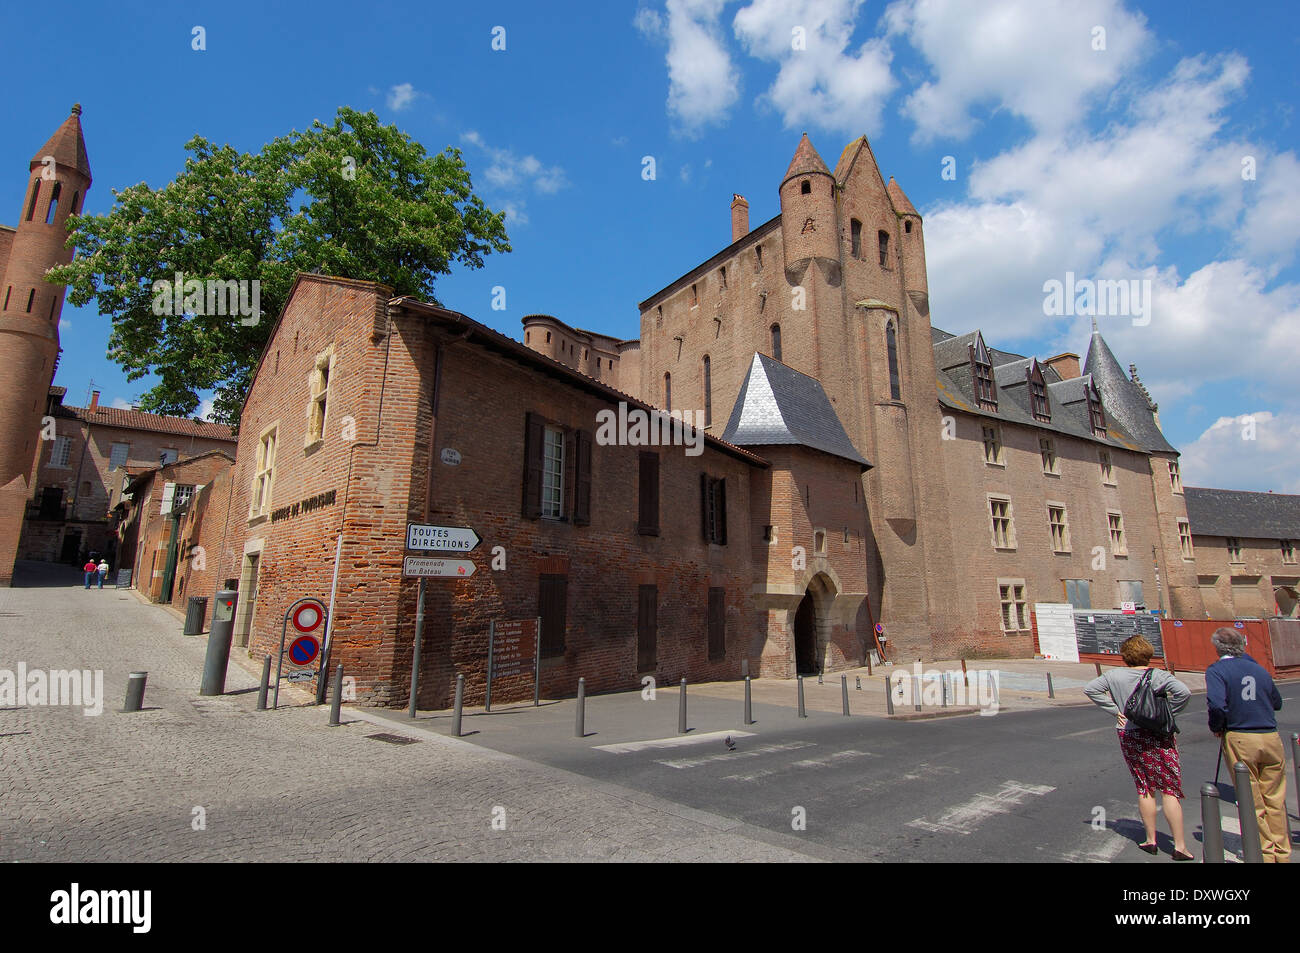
[{"x": 355, "y": 198}]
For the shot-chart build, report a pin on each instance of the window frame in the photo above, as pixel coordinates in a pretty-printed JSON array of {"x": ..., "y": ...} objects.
[
  {"x": 264, "y": 474},
  {"x": 1118, "y": 543},
  {"x": 1063, "y": 525},
  {"x": 1234, "y": 550},
  {"x": 64, "y": 443},
  {"x": 1051, "y": 462},
  {"x": 112, "y": 451},
  {"x": 1288, "y": 551},
  {"x": 998, "y": 458},
  {"x": 322, "y": 375},
  {"x": 1008, "y": 535},
  {"x": 1186, "y": 544},
  {"x": 1019, "y": 602}
]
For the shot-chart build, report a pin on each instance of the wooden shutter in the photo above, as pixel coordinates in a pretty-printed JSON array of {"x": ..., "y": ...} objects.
[
  {"x": 648, "y": 495},
  {"x": 717, "y": 622},
  {"x": 720, "y": 515},
  {"x": 706, "y": 507},
  {"x": 570, "y": 488},
  {"x": 582, "y": 498},
  {"x": 552, "y": 598},
  {"x": 647, "y": 626},
  {"x": 534, "y": 456}
]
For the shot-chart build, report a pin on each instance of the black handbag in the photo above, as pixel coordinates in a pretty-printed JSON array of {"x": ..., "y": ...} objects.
[{"x": 1150, "y": 709}]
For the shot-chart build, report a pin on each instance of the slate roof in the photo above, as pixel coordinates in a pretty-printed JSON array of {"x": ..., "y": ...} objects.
[
  {"x": 1243, "y": 513},
  {"x": 779, "y": 405},
  {"x": 1124, "y": 400}
]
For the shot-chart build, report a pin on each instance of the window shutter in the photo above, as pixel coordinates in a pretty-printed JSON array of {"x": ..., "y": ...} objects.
[
  {"x": 706, "y": 514},
  {"x": 570, "y": 488},
  {"x": 721, "y": 516},
  {"x": 646, "y": 627},
  {"x": 534, "y": 449},
  {"x": 552, "y": 599},
  {"x": 648, "y": 490},
  {"x": 582, "y": 503}
]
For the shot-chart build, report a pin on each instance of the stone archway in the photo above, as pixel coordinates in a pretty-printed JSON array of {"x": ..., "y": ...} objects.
[{"x": 812, "y": 625}]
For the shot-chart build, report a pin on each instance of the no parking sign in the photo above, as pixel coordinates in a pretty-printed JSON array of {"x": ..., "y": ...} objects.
[{"x": 307, "y": 615}]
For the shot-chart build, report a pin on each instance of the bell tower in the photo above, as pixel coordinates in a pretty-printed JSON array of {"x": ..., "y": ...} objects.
[{"x": 57, "y": 180}]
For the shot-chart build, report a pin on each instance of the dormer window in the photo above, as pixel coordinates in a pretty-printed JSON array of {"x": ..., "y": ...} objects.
[
  {"x": 1096, "y": 416},
  {"x": 986, "y": 394},
  {"x": 1037, "y": 393}
]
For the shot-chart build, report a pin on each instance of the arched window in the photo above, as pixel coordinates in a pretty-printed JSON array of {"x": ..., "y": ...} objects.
[
  {"x": 776, "y": 341},
  {"x": 891, "y": 348},
  {"x": 668, "y": 392},
  {"x": 36, "y": 193},
  {"x": 72, "y": 209},
  {"x": 708, "y": 392},
  {"x": 54, "y": 203},
  {"x": 855, "y": 235}
]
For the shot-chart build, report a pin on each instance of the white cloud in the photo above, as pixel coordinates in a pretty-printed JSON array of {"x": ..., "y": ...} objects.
[
  {"x": 1034, "y": 58},
  {"x": 1220, "y": 457},
  {"x": 508, "y": 170},
  {"x": 205, "y": 410},
  {"x": 516, "y": 213},
  {"x": 703, "y": 83},
  {"x": 401, "y": 96},
  {"x": 120, "y": 404},
  {"x": 64, "y": 324},
  {"x": 821, "y": 81}
]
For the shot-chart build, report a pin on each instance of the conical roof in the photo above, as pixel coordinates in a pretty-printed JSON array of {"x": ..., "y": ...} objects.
[
  {"x": 67, "y": 145},
  {"x": 1121, "y": 398},
  {"x": 901, "y": 204},
  {"x": 779, "y": 405},
  {"x": 805, "y": 160}
]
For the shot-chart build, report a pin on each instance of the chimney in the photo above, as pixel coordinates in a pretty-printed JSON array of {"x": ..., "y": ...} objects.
[
  {"x": 739, "y": 217},
  {"x": 94, "y": 399},
  {"x": 1067, "y": 365}
]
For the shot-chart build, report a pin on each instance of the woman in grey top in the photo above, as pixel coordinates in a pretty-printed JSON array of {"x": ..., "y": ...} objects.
[{"x": 1151, "y": 758}]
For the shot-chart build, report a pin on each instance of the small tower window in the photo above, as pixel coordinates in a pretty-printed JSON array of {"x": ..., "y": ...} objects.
[
  {"x": 54, "y": 203},
  {"x": 548, "y": 337},
  {"x": 31, "y": 297},
  {"x": 708, "y": 392},
  {"x": 695, "y": 295},
  {"x": 855, "y": 237},
  {"x": 722, "y": 277},
  {"x": 8, "y": 292},
  {"x": 659, "y": 315},
  {"x": 907, "y": 226},
  {"x": 776, "y": 341},
  {"x": 36, "y": 192},
  {"x": 668, "y": 392},
  {"x": 758, "y": 257},
  {"x": 882, "y": 239},
  {"x": 891, "y": 348},
  {"x": 805, "y": 187},
  {"x": 72, "y": 209}
]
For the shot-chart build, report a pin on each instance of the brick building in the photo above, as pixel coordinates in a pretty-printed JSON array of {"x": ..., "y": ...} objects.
[{"x": 1243, "y": 550}]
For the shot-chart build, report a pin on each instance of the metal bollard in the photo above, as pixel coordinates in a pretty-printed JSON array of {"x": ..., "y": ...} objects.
[
  {"x": 749, "y": 707},
  {"x": 336, "y": 688},
  {"x": 579, "y": 725},
  {"x": 135, "y": 691},
  {"x": 889, "y": 695},
  {"x": 744, "y": 668},
  {"x": 681, "y": 710},
  {"x": 266, "y": 684},
  {"x": 1211, "y": 824},
  {"x": 1051, "y": 692},
  {"x": 819, "y": 679},
  {"x": 802, "y": 712},
  {"x": 916, "y": 690},
  {"x": 943, "y": 689},
  {"x": 844, "y": 693},
  {"x": 859, "y": 687},
  {"x": 1252, "y": 849},
  {"x": 458, "y": 705}
]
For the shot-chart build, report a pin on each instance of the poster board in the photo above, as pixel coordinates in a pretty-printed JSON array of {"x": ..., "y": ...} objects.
[{"x": 1056, "y": 635}]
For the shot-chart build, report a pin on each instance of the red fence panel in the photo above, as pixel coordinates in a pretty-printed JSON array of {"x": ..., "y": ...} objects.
[{"x": 1188, "y": 647}]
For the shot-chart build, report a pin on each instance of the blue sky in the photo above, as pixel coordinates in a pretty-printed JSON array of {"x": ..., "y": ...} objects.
[{"x": 1122, "y": 162}]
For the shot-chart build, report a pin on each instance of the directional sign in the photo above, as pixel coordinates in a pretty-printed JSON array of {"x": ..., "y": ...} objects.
[
  {"x": 304, "y": 649},
  {"x": 437, "y": 568},
  {"x": 446, "y": 539}
]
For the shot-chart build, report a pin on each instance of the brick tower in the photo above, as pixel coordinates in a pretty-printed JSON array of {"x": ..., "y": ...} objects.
[{"x": 59, "y": 175}]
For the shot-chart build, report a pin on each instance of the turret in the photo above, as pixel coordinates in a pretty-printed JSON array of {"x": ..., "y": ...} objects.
[
  {"x": 916, "y": 283},
  {"x": 809, "y": 229}
]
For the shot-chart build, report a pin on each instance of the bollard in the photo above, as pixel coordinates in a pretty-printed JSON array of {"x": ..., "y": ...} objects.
[
  {"x": 681, "y": 710},
  {"x": 819, "y": 679},
  {"x": 1252, "y": 849},
  {"x": 889, "y": 696},
  {"x": 844, "y": 693},
  {"x": 965, "y": 680},
  {"x": 744, "y": 668},
  {"x": 802, "y": 712},
  {"x": 749, "y": 707},
  {"x": 916, "y": 691},
  {"x": 458, "y": 705},
  {"x": 135, "y": 691},
  {"x": 943, "y": 689},
  {"x": 217, "y": 656},
  {"x": 859, "y": 687},
  {"x": 1211, "y": 825},
  {"x": 266, "y": 684},
  {"x": 869, "y": 665},
  {"x": 1051, "y": 692},
  {"x": 337, "y": 699},
  {"x": 579, "y": 727}
]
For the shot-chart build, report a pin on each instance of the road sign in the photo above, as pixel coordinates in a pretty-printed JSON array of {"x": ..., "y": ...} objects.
[
  {"x": 446, "y": 539},
  {"x": 304, "y": 675},
  {"x": 436, "y": 568},
  {"x": 307, "y": 617},
  {"x": 513, "y": 647},
  {"x": 880, "y": 628},
  {"x": 304, "y": 649},
  {"x": 1128, "y": 608}
]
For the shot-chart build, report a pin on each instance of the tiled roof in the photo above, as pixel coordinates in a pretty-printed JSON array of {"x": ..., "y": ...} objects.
[
  {"x": 67, "y": 144},
  {"x": 1124, "y": 401},
  {"x": 1243, "y": 513},
  {"x": 779, "y": 405},
  {"x": 805, "y": 159},
  {"x": 155, "y": 423}
]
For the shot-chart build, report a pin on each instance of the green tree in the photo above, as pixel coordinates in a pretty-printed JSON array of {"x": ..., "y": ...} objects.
[{"x": 356, "y": 199}]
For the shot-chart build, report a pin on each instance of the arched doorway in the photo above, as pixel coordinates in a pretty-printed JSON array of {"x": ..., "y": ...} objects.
[{"x": 805, "y": 637}]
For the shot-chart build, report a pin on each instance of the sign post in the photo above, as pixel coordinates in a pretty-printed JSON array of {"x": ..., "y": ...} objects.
[
  {"x": 428, "y": 537},
  {"x": 307, "y": 614},
  {"x": 511, "y": 645}
]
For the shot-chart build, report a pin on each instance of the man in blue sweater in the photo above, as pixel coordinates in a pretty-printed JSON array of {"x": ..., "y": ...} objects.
[{"x": 1241, "y": 698}]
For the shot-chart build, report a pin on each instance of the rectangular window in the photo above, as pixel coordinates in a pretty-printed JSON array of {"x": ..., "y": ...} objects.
[
  {"x": 262, "y": 481},
  {"x": 882, "y": 240},
  {"x": 61, "y": 453},
  {"x": 855, "y": 238},
  {"x": 181, "y": 494},
  {"x": 552, "y": 601},
  {"x": 1175, "y": 477},
  {"x": 557, "y": 471},
  {"x": 320, "y": 386},
  {"x": 717, "y": 623},
  {"x": 1003, "y": 531},
  {"x": 1078, "y": 593},
  {"x": 1130, "y": 590},
  {"x": 1015, "y": 610},
  {"x": 1288, "y": 550},
  {"x": 1234, "y": 549},
  {"x": 1185, "y": 539},
  {"x": 169, "y": 455},
  {"x": 1056, "y": 518},
  {"x": 117, "y": 456},
  {"x": 713, "y": 509},
  {"x": 647, "y": 627},
  {"x": 553, "y": 474},
  {"x": 648, "y": 495},
  {"x": 1118, "y": 545},
  {"x": 993, "y": 447},
  {"x": 1048, "y": 450},
  {"x": 1107, "y": 471}
]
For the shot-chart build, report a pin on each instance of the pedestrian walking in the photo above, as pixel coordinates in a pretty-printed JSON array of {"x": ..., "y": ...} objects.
[
  {"x": 1242, "y": 699},
  {"x": 103, "y": 571},
  {"x": 89, "y": 569},
  {"x": 1152, "y": 757}
]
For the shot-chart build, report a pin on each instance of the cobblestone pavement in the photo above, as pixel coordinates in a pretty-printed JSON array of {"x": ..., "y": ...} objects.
[{"x": 281, "y": 785}]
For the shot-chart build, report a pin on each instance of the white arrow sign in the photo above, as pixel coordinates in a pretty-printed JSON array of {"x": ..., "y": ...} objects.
[
  {"x": 448, "y": 539},
  {"x": 437, "y": 568}
]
